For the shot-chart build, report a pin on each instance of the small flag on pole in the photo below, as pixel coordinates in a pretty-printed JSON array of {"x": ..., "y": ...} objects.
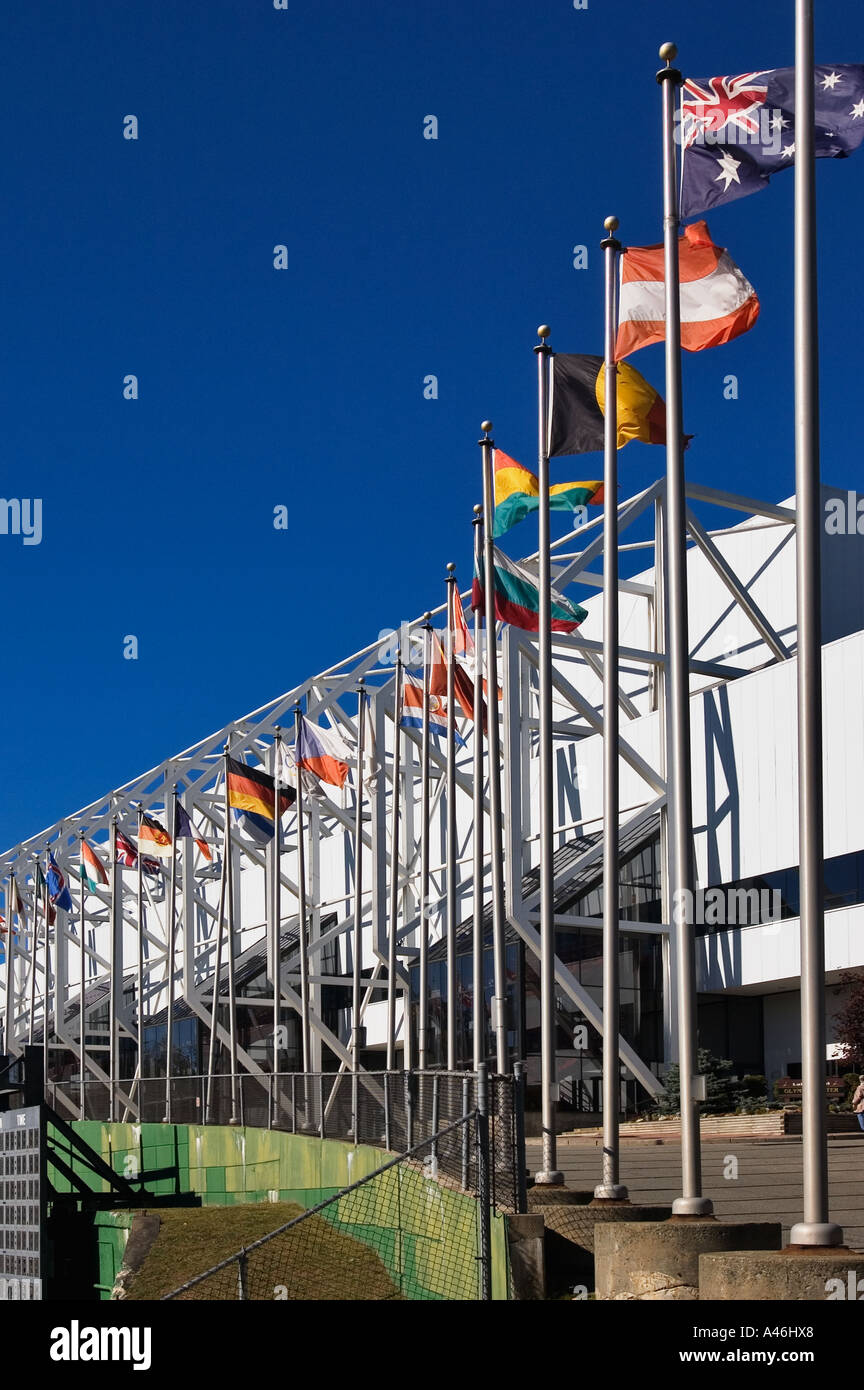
[
  {"x": 92, "y": 869},
  {"x": 324, "y": 752},
  {"x": 184, "y": 829},
  {"x": 517, "y": 493},
  {"x": 718, "y": 303},
  {"x": 154, "y": 837},
  {"x": 58, "y": 889},
  {"x": 576, "y": 419},
  {"x": 412, "y": 709},
  {"x": 252, "y": 796},
  {"x": 517, "y": 598},
  {"x": 127, "y": 856},
  {"x": 39, "y": 894},
  {"x": 738, "y": 131}
]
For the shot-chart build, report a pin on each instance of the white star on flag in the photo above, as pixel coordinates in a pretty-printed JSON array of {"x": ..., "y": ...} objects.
[
  {"x": 788, "y": 151},
  {"x": 830, "y": 81},
  {"x": 857, "y": 110},
  {"x": 778, "y": 122},
  {"x": 728, "y": 170}
]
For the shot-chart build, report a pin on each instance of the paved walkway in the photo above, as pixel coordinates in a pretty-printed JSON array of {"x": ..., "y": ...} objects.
[{"x": 767, "y": 1186}]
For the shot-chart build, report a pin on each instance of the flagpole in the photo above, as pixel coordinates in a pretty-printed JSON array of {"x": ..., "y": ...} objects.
[
  {"x": 478, "y": 992},
  {"x": 301, "y": 898},
  {"x": 549, "y": 1174},
  {"x": 229, "y": 914},
  {"x": 691, "y": 1202},
  {"x": 47, "y": 989},
  {"x": 116, "y": 884},
  {"x": 276, "y": 897},
  {"x": 423, "y": 1022},
  {"x": 358, "y": 909},
  {"x": 217, "y": 966},
  {"x": 452, "y": 844},
  {"x": 816, "y": 1228},
  {"x": 394, "y": 871},
  {"x": 172, "y": 953},
  {"x": 140, "y": 965},
  {"x": 82, "y": 1030},
  {"x": 610, "y": 1189},
  {"x": 499, "y": 1002},
  {"x": 9, "y": 1030},
  {"x": 34, "y": 937}
]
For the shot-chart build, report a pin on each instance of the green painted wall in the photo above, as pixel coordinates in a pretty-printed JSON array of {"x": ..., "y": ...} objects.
[{"x": 224, "y": 1165}]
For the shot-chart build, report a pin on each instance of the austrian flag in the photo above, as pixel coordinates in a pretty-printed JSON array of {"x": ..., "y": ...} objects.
[{"x": 717, "y": 302}]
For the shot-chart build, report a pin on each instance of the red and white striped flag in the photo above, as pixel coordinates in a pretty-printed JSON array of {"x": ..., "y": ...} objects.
[{"x": 718, "y": 302}]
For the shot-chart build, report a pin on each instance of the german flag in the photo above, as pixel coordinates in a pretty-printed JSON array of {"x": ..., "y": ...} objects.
[
  {"x": 252, "y": 793},
  {"x": 153, "y": 838}
]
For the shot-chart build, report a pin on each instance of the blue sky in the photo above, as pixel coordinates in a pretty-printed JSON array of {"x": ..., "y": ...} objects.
[{"x": 304, "y": 387}]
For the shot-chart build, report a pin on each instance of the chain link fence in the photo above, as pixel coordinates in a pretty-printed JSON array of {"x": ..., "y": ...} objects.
[
  {"x": 410, "y": 1230},
  {"x": 390, "y": 1110}
]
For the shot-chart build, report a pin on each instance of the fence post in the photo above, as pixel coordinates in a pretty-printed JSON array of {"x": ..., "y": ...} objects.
[
  {"x": 387, "y": 1110},
  {"x": 482, "y": 1124},
  {"x": 409, "y": 1109},
  {"x": 520, "y": 1070},
  {"x": 321, "y": 1101},
  {"x": 242, "y": 1271},
  {"x": 271, "y": 1098},
  {"x": 435, "y": 1107},
  {"x": 465, "y": 1160},
  {"x": 294, "y": 1104}
]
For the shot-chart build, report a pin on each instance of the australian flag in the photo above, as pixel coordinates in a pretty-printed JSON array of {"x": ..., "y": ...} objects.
[
  {"x": 58, "y": 889},
  {"x": 736, "y": 132}
]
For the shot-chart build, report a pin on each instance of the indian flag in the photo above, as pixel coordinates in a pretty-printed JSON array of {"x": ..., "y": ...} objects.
[
  {"x": 92, "y": 870},
  {"x": 517, "y": 492},
  {"x": 517, "y": 598}
]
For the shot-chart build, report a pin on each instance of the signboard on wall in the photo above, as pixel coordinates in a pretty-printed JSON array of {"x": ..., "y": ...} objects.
[{"x": 22, "y": 1196}]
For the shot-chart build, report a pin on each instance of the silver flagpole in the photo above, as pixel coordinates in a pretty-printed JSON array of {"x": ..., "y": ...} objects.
[
  {"x": 172, "y": 953},
  {"x": 115, "y": 960},
  {"x": 394, "y": 871},
  {"x": 423, "y": 1023},
  {"x": 9, "y": 1033},
  {"x": 301, "y": 899},
  {"x": 34, "y": 937},
  {"x": 548, "y": 1060},
  {"x": 691, "y": 1202},
  {"x": 217, "y": 970},
  {"x": 610, "y": 1189},
  {"x": 478, "y": 990},
  {"x": 82, "y": 1020},
  {"x": 499, "y": 1002},
  {"x": 358, "y": 910},
  {"x": 276, "y": 898},
  {"x": 47, "y": 990},
  {"x": 140, "y": 967},
  {"x": 229, "y": 914},
  {"x": 452, "y": 843},
  {"x": 816, "y": 1227}
]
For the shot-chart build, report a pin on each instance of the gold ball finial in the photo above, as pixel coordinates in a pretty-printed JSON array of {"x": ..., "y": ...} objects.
[
  {"x": 478, "y": 509},
  {"x": 544, "y": 331},
  {"x": 668, "y": 52},
  {"x": 450, "y": 567},
  {"x": 611, "y": 224},
  {"x": 486, "y": 426}
]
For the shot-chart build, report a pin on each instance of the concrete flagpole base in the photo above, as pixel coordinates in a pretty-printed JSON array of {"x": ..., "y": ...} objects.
[
  {"x": 659, "y": 1260},
  {"x": 571, "y": 1218},
  {"x": 797, "y": 1274}
]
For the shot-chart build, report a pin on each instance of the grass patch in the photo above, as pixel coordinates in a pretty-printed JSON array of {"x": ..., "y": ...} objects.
[{"x": 313, "y": 1261}]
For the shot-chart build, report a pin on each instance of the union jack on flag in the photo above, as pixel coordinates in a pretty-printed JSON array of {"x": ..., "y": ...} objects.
[
  {"x": 127, "y": 856},
  {"x": 722, "y": 102}
]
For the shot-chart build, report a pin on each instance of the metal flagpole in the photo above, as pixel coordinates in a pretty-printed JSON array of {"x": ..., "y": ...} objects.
[
  {"x": 114, "y": 963},
  {"x": 610, "y": 1188},
  {"x": 816, "y": 1227},
  {"x": 140, "y": 966},
  {"x": 11, "y": 895},
  {"x": 499, "y": 1001},
  {"x": 34, "y": 937},
  {"x": 358, "y": 909},
  {"x": 478, "y": 989},
  {"x": 47, "y": 988},
  {"x": 423, "y": 1024},
  {"x": 452, "y": 842},
  {"x": 301, "y": 900},
  {"x": 82, "y": 928},
  {"x": 229, "y": 914},
  {"x": 691, "y": 1202},
  {"x": 394, "y": 871},
  {"x": 172, "y": 953},
  {"x": 217, "y": 971},
  {"x": 548, "y": 1060},
  {"x": 276, "y": 897}
]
